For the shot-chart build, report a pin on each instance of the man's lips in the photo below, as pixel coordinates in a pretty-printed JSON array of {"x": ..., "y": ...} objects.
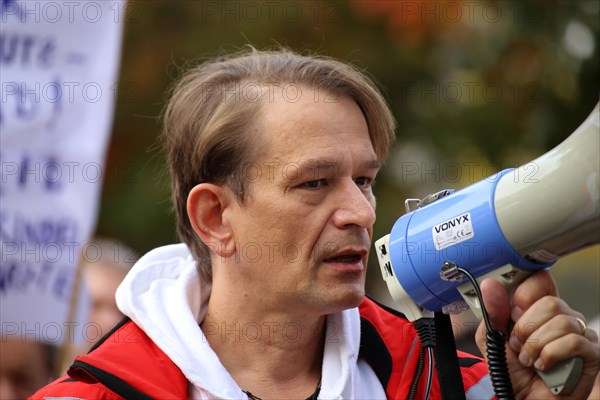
[
  {"x": 347, "y": 258},
  {"x": 346, "y": 253}
]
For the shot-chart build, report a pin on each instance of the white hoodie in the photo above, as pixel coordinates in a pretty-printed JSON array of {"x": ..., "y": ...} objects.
[{"x": 164, "y": 296}]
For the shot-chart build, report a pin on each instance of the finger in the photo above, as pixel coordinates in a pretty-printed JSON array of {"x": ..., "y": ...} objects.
[
  {"x": 480, "y": 338},
  {"x": 527, "y": 328},
  {"x": 591, "y": 335},
  {"x": 567, "y": 347},
  {"x": 533, "y": 288},
  {"x": 497, "y": 303},
  {"x": 557, "y": 327}
]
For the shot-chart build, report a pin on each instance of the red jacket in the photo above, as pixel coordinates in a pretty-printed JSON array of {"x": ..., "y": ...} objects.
[{"x": 126, "y": 364}]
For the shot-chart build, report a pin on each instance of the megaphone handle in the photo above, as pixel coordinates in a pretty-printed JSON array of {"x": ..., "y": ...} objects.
[{"x": 562, "y": 377}]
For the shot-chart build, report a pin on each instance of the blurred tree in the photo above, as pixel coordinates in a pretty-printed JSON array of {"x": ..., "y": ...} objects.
[{"x": 476, "y": 86}]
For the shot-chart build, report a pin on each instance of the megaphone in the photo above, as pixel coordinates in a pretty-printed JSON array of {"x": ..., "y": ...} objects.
[{"x": 506, "y": 226}]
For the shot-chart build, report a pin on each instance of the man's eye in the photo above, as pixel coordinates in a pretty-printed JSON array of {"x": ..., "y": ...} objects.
[
  {"x": 363, "y": 182},
  {"x": 314, "y": 184}
]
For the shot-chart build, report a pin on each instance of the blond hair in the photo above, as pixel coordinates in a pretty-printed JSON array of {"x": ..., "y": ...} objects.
[{"x": 210, "y": 110}]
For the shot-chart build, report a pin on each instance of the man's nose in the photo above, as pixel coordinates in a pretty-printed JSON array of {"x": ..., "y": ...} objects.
[
  {"x": 355, "y": 208},
  {"x": 7, "y": 389}
]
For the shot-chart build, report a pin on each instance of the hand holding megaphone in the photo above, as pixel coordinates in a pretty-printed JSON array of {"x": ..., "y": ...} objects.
[{"x": 505, "y": 227}]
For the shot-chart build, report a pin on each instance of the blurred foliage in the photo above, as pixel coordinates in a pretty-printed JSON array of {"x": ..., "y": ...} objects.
[{"x": 488, "y": 84}]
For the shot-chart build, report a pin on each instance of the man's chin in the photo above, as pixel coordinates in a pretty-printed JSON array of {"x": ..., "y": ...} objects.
[{"x": 347, "y": 300}]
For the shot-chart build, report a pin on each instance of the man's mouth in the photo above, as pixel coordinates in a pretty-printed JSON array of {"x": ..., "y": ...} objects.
[{"x": 346, "y": 258}]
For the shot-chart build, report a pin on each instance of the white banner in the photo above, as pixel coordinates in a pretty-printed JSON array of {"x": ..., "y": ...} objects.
[{"x": 59, "y": 63}]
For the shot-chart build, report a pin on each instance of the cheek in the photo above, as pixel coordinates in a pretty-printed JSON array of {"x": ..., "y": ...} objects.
[
  {"x": 372, "y": 200},
  {"x": 296, "y": 239}
]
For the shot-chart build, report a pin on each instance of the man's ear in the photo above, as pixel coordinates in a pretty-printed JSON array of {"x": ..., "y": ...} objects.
[{"x": 206, "y": 204}]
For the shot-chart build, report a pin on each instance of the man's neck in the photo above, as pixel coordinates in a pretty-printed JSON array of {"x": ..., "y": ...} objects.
[{"x": 270, "y": 353}]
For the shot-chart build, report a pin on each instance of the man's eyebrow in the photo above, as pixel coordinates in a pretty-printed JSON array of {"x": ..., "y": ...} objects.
[
  {"x": 331, "y": 164},
  {"x": 316, "y": 166},
  {"x": 372, "y": 164}
]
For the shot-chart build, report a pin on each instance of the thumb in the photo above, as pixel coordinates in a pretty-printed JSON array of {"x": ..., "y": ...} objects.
[{"x": 497, "y": 303}]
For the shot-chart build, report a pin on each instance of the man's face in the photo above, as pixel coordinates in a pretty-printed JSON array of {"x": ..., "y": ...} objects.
[
  {"x": 102, "y": 280},
  {"x": 23, "y": 369},
  {"x": 304, "y": 230}
]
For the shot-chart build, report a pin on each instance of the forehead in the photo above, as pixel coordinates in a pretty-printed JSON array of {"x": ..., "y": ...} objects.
[
  {"x": 316, "y": 126},
  {"x": 20, "y": 353}
]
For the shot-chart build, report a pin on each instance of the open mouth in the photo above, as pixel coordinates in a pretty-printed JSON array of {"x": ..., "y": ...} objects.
[{"x": 346, "y": 258}]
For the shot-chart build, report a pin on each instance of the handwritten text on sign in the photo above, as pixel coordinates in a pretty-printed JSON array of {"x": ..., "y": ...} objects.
[{"x": 59, "y": 65}]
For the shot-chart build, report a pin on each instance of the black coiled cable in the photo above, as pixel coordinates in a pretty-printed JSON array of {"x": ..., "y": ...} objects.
[
  {"x": 418, "y": 373},
  {"x": 496, "y": 359},
  {"x": 426, "y": 330},
  {"x": 495, "y": 346}
]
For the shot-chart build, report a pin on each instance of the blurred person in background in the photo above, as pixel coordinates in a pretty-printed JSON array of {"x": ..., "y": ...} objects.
[
  {"x": 105, "y": 263},
  {"x": 25, "y": 366}
]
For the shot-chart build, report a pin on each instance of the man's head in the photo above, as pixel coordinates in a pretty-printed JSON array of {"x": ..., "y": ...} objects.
[
  {"x": 212, "y": 121},
  {"x": 104, "y": 268},
  {"x": 25, "y": 366}
]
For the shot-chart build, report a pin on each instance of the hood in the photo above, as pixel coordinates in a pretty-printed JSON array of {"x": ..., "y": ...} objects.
[{"x": 164, "y": 295}]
